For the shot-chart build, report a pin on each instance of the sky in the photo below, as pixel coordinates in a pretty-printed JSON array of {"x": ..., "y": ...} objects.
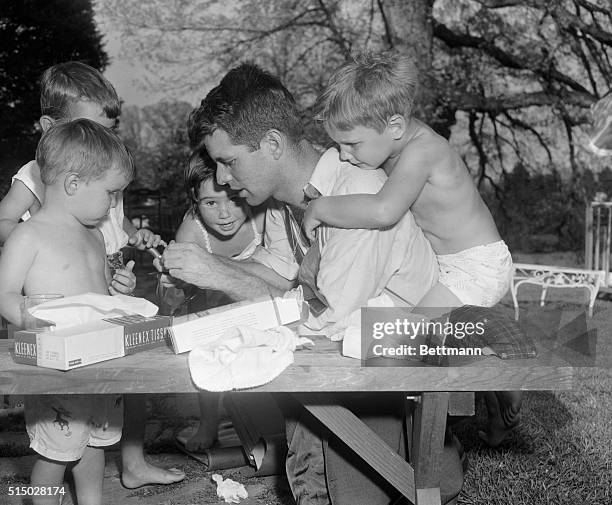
[{"x": 125, "y": 75}]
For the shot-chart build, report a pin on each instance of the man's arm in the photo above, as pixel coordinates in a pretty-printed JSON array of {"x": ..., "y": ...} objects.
[
  {"x": 268, "y": 275},
  {"x": 192, "y": 264}
]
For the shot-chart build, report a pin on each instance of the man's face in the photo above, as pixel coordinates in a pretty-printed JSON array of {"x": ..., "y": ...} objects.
[
  {"x": 362, "y": 146},
  {"x": 245, "y": 171}
]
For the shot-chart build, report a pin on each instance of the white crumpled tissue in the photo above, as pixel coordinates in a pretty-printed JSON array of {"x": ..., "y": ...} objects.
[
  {"x": 79, "y": 309},
  {"x": 230, "y": 490},
  {"x": 243, "y": 357}
]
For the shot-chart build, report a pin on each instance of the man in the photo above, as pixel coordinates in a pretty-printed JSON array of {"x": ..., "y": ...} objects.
[{"x": 250, "y": 125}]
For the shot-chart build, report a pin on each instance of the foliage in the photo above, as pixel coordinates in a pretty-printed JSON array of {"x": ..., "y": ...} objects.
[
  {"x": 35, "y": 34},
  {"x": 510, "y": 81},
  {"x": 520, "y": 75},
  {"x": 542, "y": 212},
  {"x": 157, "y": 137}
]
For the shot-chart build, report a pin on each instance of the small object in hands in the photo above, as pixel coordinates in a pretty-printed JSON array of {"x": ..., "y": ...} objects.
[
  {"x": 115, "y": 262},
  {"x": 29, "y": 321},
  {"x": 157, "y": 253}
]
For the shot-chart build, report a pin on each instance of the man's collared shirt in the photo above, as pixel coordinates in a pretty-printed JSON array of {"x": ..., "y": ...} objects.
[{"x": 356, "y": 264}]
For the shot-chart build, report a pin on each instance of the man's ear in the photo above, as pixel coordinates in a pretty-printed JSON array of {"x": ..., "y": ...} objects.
[
  {"x": 397, "y": 126},
  {"x": 46, "y": 122},
  {"x": 72, "y": 182},
  {"x": 273, "y": 143}
]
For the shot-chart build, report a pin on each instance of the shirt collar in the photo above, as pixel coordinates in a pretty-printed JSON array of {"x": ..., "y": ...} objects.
[{"x": 324, "y": 175}]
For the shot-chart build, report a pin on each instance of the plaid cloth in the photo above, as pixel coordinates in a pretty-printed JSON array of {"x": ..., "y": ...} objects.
[{"x": 501, "y": 334}]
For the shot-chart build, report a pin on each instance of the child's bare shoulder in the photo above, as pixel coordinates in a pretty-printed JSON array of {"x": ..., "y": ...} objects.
[
  {"x": 188, "y": 231},
  {"x": 27, "y": 234},
  {"x": 426, "y": 142},
  {"x": 427, "y": 151}
]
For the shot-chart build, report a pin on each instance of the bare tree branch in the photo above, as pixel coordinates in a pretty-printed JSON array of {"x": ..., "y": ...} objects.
[
  {"x": 455, "y": 40},
  {"x": 521, "y": 124},
  {"x": 340, "y": 40}
]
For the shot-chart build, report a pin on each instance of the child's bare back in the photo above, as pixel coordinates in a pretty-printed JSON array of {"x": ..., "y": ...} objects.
[{"x": 449, "y": 208}]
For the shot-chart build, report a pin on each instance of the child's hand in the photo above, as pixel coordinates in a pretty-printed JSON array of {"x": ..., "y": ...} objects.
[
  {"x": 145, "y": 239},
  {"x": 124, "y": 280},
  {"x": 310, "y": 221}
]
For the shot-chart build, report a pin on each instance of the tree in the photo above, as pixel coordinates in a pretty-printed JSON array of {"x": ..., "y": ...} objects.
[
  {"x": 516, "y": 75},
  {"x": 509, "y": 81},
  {"x": 35, "y": 34},
  {"x": 157, "y": 137}
]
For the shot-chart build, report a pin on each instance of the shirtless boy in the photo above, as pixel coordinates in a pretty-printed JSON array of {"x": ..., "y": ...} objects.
[
  {"x": 84, "y": 166},
  {"x": 366, "y": 109}
]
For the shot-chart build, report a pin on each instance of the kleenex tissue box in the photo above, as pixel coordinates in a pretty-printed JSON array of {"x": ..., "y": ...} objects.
[
  {"x": 93, "y": 342},
  {"x": 187, "y": 332}
]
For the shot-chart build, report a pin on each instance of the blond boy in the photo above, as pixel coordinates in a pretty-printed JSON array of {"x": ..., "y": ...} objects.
[
  {"x": 84, "y": 167},
  {"x": 366, "y": 109}
]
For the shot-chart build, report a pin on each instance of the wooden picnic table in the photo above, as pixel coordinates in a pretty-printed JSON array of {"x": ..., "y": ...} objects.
[{"x": 316, "y": 377}]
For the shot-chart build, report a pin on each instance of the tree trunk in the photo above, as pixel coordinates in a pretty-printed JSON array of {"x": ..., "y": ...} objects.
[{"x": 409, "y": 28}]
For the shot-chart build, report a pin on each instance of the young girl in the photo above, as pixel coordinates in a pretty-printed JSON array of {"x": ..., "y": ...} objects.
[{"x": 222, "y": 223}]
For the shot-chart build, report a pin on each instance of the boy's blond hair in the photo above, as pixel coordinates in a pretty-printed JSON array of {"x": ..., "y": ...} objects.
[
  {"x": 368, "y": 91},
  {"x": 64, "y": 84},
  {"x": 83, "y": 147}
]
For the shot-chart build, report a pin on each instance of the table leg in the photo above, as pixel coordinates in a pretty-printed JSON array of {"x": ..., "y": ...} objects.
[
  {"x": 367, "y": 444},
  {"x": 427, "y": 437}
]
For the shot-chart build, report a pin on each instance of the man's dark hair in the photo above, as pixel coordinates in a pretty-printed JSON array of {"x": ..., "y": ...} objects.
[{"x": 246, "y": 104}]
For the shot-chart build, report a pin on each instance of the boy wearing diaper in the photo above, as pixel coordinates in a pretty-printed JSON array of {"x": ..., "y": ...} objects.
[
  {"x": 366, "y": 109},
  {"x": 73, "y": 90},
  {"x": 84, "y": 167}
]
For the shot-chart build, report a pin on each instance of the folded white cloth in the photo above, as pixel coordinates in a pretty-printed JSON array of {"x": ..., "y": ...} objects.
[
  {"x": 79, "y": 309},
  {"x": 230, "y": 490},
  {"x": 243, "y": 357}
]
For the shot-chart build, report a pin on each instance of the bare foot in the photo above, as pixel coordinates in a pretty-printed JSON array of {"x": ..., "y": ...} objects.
[
  {"x": 204, "y": 438},
  {"x": 503, "y": 409},
  {"x": 147, "y": 474}
]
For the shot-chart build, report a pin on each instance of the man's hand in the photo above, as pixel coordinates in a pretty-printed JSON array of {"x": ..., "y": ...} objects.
[
  {"x": 124, "y": 281},
  {"x": 311, "y": 221},
  {"x": 145, "y": 239},
  {"x": 191, "y": 263}
]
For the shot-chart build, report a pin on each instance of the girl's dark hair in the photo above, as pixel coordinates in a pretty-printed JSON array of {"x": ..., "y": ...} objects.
[{"x": 200, "y": 168}]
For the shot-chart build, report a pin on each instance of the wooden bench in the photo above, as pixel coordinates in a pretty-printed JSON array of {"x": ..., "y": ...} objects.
[
  {"x": 555, "y": 277},
  {"x": 316, "y": 377}
]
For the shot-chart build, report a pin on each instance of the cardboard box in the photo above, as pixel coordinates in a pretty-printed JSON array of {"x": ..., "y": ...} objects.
[
  {"x": 93, "y": 342},
  {"x": 189, "y": 331}
]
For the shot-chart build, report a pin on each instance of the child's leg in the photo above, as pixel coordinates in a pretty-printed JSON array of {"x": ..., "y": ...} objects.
[
  {"x": 136, "y": 471},
  {"x": 438, "y": 301},
  {"x": 88, "y": 476},
  {"x": 206, "y": 435},
  {"x": 47, "y": 473}
]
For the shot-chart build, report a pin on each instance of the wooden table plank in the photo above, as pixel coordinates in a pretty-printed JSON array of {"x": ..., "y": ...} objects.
[
  {"x": 364, "y": 442},
  {"x": 319, "y": 369},
  {"x": 427, "y": 445}
]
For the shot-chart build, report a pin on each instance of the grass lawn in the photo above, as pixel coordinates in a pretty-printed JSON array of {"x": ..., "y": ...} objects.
[{"x": 560, "y": 454}]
